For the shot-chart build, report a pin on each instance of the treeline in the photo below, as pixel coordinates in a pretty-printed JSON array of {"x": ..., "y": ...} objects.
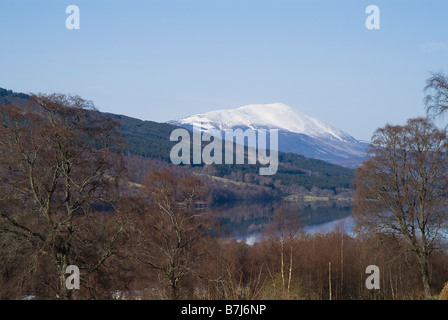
[
  {"x": 227, "y": 186},
  {"x": 145, "y": 138},
  {"x": 321, "y": 266},
  {"x": 8, "y": 96}
]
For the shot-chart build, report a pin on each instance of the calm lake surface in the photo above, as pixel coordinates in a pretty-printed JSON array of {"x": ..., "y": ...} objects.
[{"x": 248, "y": 221}]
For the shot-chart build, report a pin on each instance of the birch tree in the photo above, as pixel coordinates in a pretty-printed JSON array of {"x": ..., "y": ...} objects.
[
  {"x": 171, "y": 230},
  {"x": 57, "y": 170},
  {"x": 401, "y": 190}
]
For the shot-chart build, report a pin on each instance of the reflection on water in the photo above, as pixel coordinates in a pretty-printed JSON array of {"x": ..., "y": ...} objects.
[
  {"x": 247, "y": 221},
  {"x": 345, "y": 225}
]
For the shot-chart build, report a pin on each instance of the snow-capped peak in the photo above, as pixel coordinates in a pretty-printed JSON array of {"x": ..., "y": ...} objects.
[{"x": 275, "y": 115}]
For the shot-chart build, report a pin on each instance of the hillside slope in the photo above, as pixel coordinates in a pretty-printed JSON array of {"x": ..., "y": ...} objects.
[{"x": 150, "y": 139}]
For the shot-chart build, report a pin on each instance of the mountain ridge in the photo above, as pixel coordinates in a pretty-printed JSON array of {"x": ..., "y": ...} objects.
[
  {"x": 273, "y": 115},
  {"x": 298, "y": 132}
]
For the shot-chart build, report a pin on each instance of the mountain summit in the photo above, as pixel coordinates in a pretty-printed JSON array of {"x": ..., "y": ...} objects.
[
  {"x": 298, "y": 132},
  {"x": 275, "y": 115}
]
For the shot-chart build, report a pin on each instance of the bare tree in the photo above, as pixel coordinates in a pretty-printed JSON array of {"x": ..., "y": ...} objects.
[
  {"x": 284, "y": 231},
  {"x": 171, "y": 229},
  {"x": 58, "y": 171},
  {"x": 402, "y": 188},
  {"x": 436, "y": 98}
]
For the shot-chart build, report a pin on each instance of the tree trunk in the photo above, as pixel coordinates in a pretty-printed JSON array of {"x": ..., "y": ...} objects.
[
  {"x": 290, "y": 264},
  {"x": 173, "y": 289},
  {"x": 282, "y": 271},
  {"x": 425, "y": 275},
  {"x": 329, "y": 280}
]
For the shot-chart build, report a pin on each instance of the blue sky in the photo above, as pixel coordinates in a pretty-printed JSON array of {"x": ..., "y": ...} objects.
[{"x": 166, "y": 59}]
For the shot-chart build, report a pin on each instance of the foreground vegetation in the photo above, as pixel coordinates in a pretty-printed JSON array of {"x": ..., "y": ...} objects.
[{"x": 71, "y": 194}]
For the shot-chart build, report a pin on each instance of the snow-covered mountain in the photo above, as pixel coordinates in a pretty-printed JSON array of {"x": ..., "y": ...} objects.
[{"x": 297, "y": 132}]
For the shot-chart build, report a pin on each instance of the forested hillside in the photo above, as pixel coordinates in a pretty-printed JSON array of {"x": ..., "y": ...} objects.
[{"x": 151, "y": 140}]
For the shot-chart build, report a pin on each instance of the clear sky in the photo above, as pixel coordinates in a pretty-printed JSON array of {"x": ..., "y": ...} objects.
[{"x": 166, "y": 59}]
